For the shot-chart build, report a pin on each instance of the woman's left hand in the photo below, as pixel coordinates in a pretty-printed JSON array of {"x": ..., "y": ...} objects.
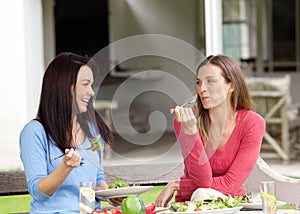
[
  {"x": 187, "y": 118},
  {"x": 112, "y": 201},
  {"x": 115, "y": 201}
]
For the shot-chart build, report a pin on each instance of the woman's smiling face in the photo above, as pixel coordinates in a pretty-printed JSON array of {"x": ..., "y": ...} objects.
[
  {"x": 84, "y": 87},
  {"x": 211, "y": 86}
]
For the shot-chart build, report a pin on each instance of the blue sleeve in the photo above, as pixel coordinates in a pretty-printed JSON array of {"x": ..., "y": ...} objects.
[
  {"x": 100, "y": 173},
  {"x": 33, "y": 153}
]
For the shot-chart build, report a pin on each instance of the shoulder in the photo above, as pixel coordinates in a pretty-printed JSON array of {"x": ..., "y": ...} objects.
[
  {"x": 33, "y": 127},
  {"x": 250, "y": 118},
  {"x": 250, "y": 115},
  {"x": 33, "y": 124}
]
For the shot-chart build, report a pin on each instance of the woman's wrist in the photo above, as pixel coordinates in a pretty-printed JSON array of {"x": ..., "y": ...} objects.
[
  {"x": 191, "y": 131},
  {"x": 67, "y": 166}
]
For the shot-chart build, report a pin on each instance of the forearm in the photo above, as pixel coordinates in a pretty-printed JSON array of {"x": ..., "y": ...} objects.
[
  {"x": 49, "y": 184},
  {"x": 102, "y": 185}
]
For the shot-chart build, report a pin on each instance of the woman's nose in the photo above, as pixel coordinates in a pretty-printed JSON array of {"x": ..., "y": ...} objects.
[
  {"x": 202, "y": 87},
  {"x": 92, "y": 92}
]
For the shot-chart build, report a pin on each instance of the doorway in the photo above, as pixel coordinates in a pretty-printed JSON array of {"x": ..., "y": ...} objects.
[{"x": 81, "y": 26}]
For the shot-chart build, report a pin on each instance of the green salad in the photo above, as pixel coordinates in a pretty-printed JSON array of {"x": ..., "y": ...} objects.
[
  {"x": 211, "y": 204},
  {"x": 118, "y": 184}
]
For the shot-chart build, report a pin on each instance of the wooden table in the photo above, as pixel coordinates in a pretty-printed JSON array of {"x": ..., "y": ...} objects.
[{"x": 278, "y": 212}]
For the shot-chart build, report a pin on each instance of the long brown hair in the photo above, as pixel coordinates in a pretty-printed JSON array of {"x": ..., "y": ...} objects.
[
  {"x": 56, "y": 108},
  {"x": 240, "y": 97}
]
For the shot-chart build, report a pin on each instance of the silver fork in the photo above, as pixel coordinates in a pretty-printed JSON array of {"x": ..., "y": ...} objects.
[
  {"x": 189, "y": 102},
  {"x": 186, "y": 103}
]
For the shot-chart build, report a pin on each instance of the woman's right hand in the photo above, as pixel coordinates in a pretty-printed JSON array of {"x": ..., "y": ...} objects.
[
  {"x": 72, "y": 158},
  {"x": 167, "y": 193},
  {"x": 49, "y": 184},
  {"x": 187, "y": 118}
]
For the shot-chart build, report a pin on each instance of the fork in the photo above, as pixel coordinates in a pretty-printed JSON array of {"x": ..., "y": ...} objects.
[
  {"x": 189, "y": 102},
  {"x": 60, "y": 156},
  {"x": 186, "y": 103}
]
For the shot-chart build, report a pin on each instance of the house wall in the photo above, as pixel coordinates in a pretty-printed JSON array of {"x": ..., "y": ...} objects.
[{"x": 21, "y": 60}]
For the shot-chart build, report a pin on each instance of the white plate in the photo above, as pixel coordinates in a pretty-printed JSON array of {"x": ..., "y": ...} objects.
[
  {"x": 220, "y": 211},
  {"x": 257, "y": 205},
  {"x": 123, "y": 192}
]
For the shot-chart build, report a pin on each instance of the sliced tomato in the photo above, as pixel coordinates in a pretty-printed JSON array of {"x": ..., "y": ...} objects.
[{"x": 198, "y": 209}]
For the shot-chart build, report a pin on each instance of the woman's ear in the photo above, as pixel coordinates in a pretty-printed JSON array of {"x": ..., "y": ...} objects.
[{"x": 231, "y": 88}]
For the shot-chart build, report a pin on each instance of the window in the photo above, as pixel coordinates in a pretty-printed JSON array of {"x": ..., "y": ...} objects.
[{"x": 235, "y": 29}]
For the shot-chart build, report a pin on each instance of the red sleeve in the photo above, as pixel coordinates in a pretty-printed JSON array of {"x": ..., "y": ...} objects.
[
  {"x": 199, "y": 170},
  {"x": 195, "y": 161}
]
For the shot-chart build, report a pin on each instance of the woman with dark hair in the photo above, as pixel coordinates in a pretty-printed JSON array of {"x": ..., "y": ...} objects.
[
  {"x": 220, "y": 137},
  {"x": 57, "y": 148}
]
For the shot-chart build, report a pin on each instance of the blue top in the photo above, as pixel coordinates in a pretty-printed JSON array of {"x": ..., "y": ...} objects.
[{"x": 34, "y": 154}]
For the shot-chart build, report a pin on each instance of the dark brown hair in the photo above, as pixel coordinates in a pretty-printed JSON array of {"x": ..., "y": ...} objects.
[
  {"x": 56, "y": 108},
  {"x": 240, "y": 97}
]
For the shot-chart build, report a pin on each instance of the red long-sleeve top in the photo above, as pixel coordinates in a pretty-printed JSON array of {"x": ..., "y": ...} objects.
[{"x": 228, "y": 167}]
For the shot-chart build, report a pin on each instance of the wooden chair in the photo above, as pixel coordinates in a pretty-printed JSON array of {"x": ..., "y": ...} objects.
[
  {"x": 271, "y": 96},
  {"x": 287, "y": 189}
]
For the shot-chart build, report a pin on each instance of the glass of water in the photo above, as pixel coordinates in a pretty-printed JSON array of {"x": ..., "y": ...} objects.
[
  {"x": 87, "y": 197},
  {"x": 268, "y": 195}
]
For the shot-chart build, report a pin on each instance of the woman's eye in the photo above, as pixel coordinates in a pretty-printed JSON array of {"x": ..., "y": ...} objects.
[
  {"x": 86, "y": 83},
  {"x": 210, "y": 81},
  {"x": 198, "y": 82}
]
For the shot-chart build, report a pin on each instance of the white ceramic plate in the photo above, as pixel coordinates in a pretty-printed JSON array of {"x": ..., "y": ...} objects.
[
  {"x": 257, "y": 205},
  {"x": 219, "y": 211},
  {"x": 123, "y": 192}
]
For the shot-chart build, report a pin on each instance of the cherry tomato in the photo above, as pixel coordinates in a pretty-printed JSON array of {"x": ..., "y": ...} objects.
[
  {"x": 150, "y": 208},
  {"x": 115, "y": 211}
]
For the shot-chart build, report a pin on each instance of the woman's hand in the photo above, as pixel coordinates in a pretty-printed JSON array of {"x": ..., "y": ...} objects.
[
  {"x": 167, "y": 193},
  {"x": 187, "y": 118},
  {"x": 72, "y": 157},
  {"x": 49, "y": 184},
  {"x": 112, "y": 201},
  {"x": 115, "y": 202}
]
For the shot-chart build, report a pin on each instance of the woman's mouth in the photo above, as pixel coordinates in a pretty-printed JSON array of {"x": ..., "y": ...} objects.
[{"x": 85, "y": 101}]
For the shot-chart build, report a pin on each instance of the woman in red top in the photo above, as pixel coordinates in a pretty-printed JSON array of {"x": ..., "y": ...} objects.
[{"x": 220, "y": 139}]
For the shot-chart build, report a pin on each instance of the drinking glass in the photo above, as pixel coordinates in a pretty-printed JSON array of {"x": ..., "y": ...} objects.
[
  {"x": 87, "y": 197},
  {"x": 268, "y": 196}
]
